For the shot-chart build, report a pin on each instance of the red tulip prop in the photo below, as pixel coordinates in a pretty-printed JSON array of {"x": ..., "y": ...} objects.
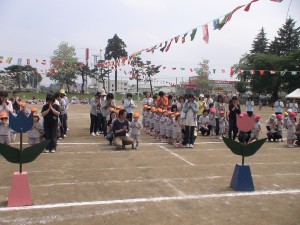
[{"x": 244, "y": 122}]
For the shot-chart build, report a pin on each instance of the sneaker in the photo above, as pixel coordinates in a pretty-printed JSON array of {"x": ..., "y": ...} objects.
[
  {"x": 188, "y": 145},
  {"x": 93, "y": 134},
  {"x": 65, "y": 136},
  {"x": 60, "y": 138},
  {"x": 281, "y": 140},
  {"x": 191, "y": 146},
  {"x": 46, "y": 151},
  {"x": 291, "y": 146},
  {"x": 98, "y": 133},
  {"x": 53, "y": 151},
  {"x": 220, "y": 137}
]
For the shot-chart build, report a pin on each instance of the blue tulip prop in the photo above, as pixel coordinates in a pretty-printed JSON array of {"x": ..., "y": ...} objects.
[{"x": 21, "y": 124}]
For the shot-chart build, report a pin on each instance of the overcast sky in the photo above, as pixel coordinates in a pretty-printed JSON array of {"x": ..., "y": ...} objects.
[{"x": 34, "y": 28}]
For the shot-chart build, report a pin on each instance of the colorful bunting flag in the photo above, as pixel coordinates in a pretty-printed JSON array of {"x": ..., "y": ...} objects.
[
  {"x": 214, "y": 71},
  {"x": 247, "y": 8},
  {"x": 276, "y": 0},
  {"x": 183, "y": 38},
  {"x": 43, "y": 62},
  {"x": 36, "y": 60},
  {"x": 169, "y": 45},
  {"x": 177, "y": 38},
  {"x": 261, "y": 72},
  {"x": 163, "y": 48},
  {"x": 28, "y": 62},
  {"x": 272, "y": 72},
  {"x": 1, "y": 59},
  {"x": 233, "y": 11},
  {"x": 194, "y": 31},
  {"x": 205, "y": 33},
  {"x": 231, "y": 72},
  {"x": 9, "y": 59},
  {"x": 294, "y": 72}
]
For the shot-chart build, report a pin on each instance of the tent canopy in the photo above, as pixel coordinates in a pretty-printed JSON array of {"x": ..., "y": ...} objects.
[{"x": 294, "y": 94}]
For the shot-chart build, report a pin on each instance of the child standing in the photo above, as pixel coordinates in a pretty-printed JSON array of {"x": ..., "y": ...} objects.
[
  {"x": 129, "y": 105},
  {"x": 163, "y": 126},
  {"x": 212, "y": 120},
  {"x": 147, "y": 119},
  {"x": 4, "y": 130},
  {"x": 135, "y": 126},
  {"x": 291, "y": 129},
  {"x": 36, "y": 132},
  {"x": 157, "y": 124},
  {"x": 222, "y": 124},
  {"x": 280, "y": 124},
  {"x": 177, "y": 133},
  {"x": 256, "y": 129},
  {"x": 169, "y": 128}
]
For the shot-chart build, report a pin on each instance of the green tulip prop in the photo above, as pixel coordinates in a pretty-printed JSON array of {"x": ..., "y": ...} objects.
[
  {"x": 242, "y": 179},
  {"x": 20, "y": 193}
]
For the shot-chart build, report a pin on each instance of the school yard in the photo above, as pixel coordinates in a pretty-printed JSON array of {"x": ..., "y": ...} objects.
[{"x": 87, "y": 182}]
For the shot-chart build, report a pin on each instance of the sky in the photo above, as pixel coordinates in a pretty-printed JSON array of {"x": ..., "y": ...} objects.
[{"x": 34, "y": 28}]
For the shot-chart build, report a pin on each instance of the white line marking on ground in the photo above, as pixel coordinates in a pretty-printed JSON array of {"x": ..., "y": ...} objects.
[
  {"x": 177, "y": 191},
  {"x": 154, "y": 199},
  {"x": 178, "y": 156}
]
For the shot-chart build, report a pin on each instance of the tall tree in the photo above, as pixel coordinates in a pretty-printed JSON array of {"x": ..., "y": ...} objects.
[
  {"x": 115, "y": 50},
  {"x": 64, "y": 65},
  {"x": 151, "y": 70},
  {"x": 100, "y": 72},
  {"x": 137, "y": 70},
  {"x": 260, "y": 43},
  {"x": 24, "y": 75},
  {"x": 203, "y": 76},
  {"x": 288, "y": 39}
]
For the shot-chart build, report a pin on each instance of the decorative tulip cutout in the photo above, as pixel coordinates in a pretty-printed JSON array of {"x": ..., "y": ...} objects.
[
  {"x": 242, "y": 179},
  {"x": 245, "y": 124},
  {"x": 20, "y": 194},
  {"x": 21, "y": 124}
]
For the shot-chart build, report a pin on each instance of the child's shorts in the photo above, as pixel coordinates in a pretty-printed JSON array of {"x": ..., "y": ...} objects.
[
  {"x": 290, "y": 135},
  {"x": 254, "y": 135},
  {"x": 177, "y": 135},
  {"x": 135, "y": 136},
  {"x": 147, "y": 123},
  {"x": 162, "y": 131},
  {"x": 157, "y": 127},
  {"x": 169, "y": 133},
  {"x": 151, "y": 125}
]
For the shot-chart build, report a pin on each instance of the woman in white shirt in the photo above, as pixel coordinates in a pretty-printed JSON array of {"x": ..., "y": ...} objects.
[
  {"x": 294, "y": 106},
  {"x": 249, "y": 106}
]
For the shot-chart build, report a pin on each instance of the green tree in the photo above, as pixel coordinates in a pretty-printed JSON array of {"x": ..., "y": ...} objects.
[
  {"x": 150, "y": 71},
  {"x": 64, "y": 66},
  {"x": 100, "y": 73},
  {"x": 24, "y": 75},
  {"x": 260, "y": 43},
  {"x": 241, "y": 87},
  {"x": 115, "y": 50},
  {"x": 137, "y": 70},
  {"x": 288, "y": 39},
  {"x": 203, "y": 76}
]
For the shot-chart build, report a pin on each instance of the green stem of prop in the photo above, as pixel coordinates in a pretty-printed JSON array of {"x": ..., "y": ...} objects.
[
  {"x": 21, "y": 143},
  {"x": 243, "y": 157}
]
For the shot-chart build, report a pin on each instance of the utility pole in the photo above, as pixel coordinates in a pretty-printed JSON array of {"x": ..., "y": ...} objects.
[{"x": 87, "y": 64}]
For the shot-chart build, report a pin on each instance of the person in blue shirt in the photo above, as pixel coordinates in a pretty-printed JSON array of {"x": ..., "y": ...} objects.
[{"x": 120, "y": 129}]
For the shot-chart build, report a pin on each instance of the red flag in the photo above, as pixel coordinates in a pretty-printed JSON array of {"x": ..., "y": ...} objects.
[
  {"x": 173, "y": 68},
  {"x": 233, "y": 11},
  {"x": 164, "y": 67},
  {"x": 261, "y": 72},
  {"x": 276, "y": 0},
  {"x": 231, "y": 72},
  {"x": 43, "y": 62},
  {"x": 36, "y": 60},
  {"x": 191, "y": 70},
  {"x": 205, "y": 33},
  {"x": 247, "y": 8},
  {"x": 169, "y": 45}
]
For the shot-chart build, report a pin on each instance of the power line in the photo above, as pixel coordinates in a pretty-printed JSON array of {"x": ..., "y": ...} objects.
[{"x": 287, "y": 14}]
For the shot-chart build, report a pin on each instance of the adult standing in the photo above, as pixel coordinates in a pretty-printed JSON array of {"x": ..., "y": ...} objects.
[
  {"x": 249, "y": 106},
  {"x": 16, "y": 102},
  {"x": 190, "y": 108},
  {"x": 219, "y": 106},
  {"x": 147, "y": 100},
  {"x": 162, "y": 101},
  {"x": 108, "y": 103},
  {"x": 93, "y": 114},
  {"x": 202, "y": 105},
  {"x": 129, "y": 105},
  {"x": 50, "y": 112},
  {"x": 101, "y": 122},
  {"x": 234, "y": 111},
  {"x": 293, "y": 106},
  {"x": 5, "y": 104},
  {"x": 120, "y": 129},
  {"x": 208, "y": 100},
  {"x": 278, "y": 105},
  {"x": 65, "y": 98}
]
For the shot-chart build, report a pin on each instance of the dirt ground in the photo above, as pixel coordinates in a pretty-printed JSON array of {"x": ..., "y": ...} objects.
[{"x": 87, "y": 182}]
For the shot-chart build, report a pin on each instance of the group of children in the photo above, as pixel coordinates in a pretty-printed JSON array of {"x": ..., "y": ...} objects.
[{"x": 35, "y": 134}]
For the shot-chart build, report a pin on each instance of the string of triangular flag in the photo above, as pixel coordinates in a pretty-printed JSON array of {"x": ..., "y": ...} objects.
[{"x": 217, "y": 25}]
